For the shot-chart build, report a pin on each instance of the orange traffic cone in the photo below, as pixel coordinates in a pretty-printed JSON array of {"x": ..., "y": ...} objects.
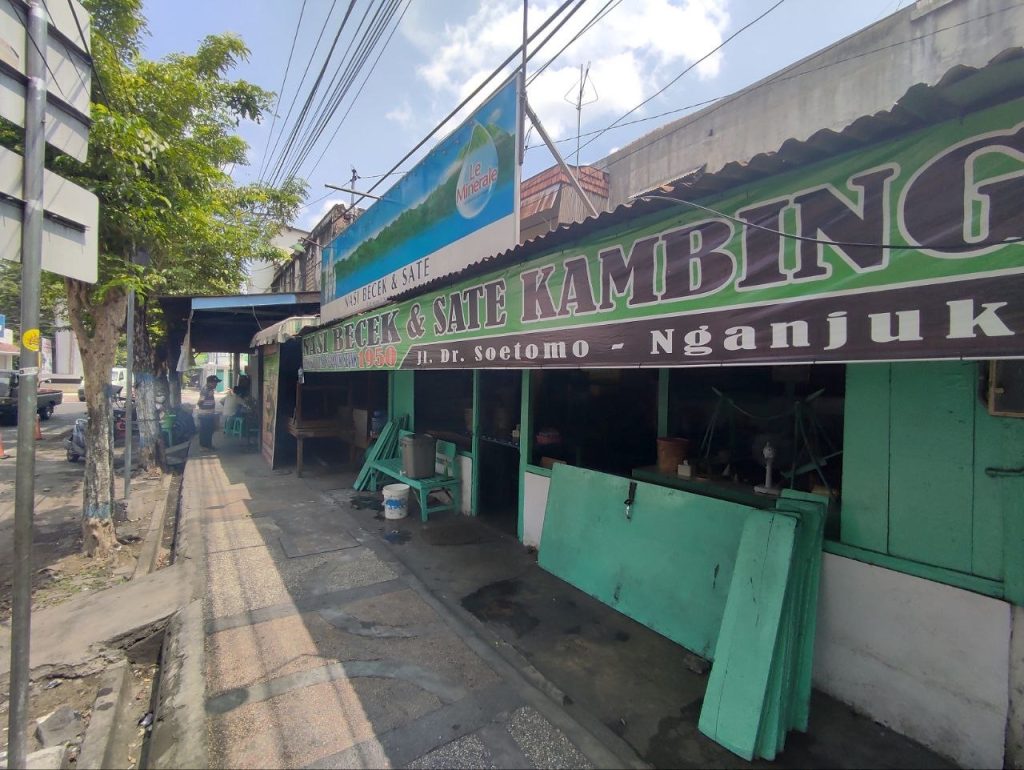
[
  {"x": 3, "y": 452},
  {"x": 39, "y": 430}
]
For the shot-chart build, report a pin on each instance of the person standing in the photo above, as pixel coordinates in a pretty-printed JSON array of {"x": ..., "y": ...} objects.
[{"x": 207, "y": 408}]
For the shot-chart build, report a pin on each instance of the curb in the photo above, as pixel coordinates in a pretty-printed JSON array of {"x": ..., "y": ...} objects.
[
  {"x": 179, "y": 712},
  {"x": 149, "y": 553},
  {"x": 99, "y": 746}
]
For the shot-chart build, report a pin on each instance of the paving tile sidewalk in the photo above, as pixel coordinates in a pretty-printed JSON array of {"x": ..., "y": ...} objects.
[{"x": 323, "y": 651}]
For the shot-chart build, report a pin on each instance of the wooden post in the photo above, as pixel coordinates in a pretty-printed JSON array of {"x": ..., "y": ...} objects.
[{"x": 475, "y": 447}]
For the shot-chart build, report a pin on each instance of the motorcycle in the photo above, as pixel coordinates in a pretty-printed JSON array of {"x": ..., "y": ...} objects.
[{"x": 74, "y": 445}]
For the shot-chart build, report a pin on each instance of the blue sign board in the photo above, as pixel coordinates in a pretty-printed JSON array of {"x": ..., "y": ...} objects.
[{"x": 457, "y": 206}]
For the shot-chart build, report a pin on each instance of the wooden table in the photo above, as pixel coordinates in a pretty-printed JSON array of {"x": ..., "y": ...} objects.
[{"x": 331, "y": 428}]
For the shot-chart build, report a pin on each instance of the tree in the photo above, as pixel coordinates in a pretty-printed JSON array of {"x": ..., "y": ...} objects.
[{"x": 162, "y": 134}]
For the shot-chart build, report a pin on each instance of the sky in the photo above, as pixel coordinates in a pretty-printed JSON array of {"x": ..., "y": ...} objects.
[{"x": 442, "y": 49}]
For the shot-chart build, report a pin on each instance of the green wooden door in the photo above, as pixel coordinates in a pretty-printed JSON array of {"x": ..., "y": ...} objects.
[{"x": 931, "y": 482}]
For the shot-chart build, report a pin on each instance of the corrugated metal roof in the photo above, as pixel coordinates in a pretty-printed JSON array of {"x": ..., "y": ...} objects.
[{"x": 959, "y": 91}]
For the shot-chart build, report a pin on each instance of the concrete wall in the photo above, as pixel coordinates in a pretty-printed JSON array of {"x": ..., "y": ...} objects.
[
  {"x": 535, "y": 502},
  {"x": 466, "y": 493},
  {"x": 829, "y": 89},
  {"x": 1015, "y": 721},
  {"x": 926, "y": 659}
]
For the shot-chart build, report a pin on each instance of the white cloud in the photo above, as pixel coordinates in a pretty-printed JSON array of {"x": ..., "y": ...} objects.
[
  {"x": 402, "y": 114},
  {"x": 633, "y": 51}
]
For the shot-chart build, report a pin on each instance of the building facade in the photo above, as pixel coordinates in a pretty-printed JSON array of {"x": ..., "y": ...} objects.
[{"x": 834, "y": 292}]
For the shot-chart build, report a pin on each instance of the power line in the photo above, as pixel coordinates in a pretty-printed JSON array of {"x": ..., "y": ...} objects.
[
  {"x": 342, "y": 82},
  {"x": 284, "y": 80},
  {"x": 293, "y": 136},
  {"x": 674, "y": 80},
  {"x": 604, "y": 11},
  {"x": 826, "y": 242},
  {"x": 329, "y": 92},
  {"x": 632, "y": 122},
  {"x": 28, "y": 34},
  {"x": 302, "y": 80},
  {"x": 497, "y": 71},
  {"x": 85, "y": 45},
  {"x": 360, "y": 91},
  {"x": 786, "y": 74}
]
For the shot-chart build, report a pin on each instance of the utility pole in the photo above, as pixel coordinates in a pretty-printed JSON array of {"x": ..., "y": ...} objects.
[
  {"x": 352, "y": 185},
  {"x": 130, "y": 397},
  {"x": 28, "y": 379}
]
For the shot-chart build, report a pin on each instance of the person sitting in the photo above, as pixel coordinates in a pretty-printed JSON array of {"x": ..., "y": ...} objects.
[{"x": 232, "y": 404}]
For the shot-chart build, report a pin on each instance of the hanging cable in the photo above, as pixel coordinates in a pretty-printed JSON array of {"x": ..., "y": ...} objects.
[
  {"x": 604, "y": 11},
  {"x": 360, "y": 91},
  {"x": 497, "y": 71},
  {"x": 284, "y": 80},
  {"x": 88, "y": 53},
  {"x": 787, "y": 74},
  {"x": 674, "y": 80},
  {"x": 302, "y": 80},
  {"x": 343, "y": 81},
  {"x": 312, "y": 91}
]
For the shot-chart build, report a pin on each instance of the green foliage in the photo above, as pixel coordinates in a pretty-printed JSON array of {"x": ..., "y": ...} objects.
[
  {"x": 50, "y": 299},
  {"x": 162, "y": 134}
]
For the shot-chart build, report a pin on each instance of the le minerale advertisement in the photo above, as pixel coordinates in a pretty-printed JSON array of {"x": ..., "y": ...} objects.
[
  {"x": 908, "y": 250},
  {"x": 456, "y": 206}
]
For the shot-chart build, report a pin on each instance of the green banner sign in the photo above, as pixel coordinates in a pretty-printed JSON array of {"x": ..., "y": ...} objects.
[{"x": 907, "y": 250}]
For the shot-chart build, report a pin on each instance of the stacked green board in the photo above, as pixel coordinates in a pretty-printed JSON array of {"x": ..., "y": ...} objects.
[{"x": 732, "y": 583}]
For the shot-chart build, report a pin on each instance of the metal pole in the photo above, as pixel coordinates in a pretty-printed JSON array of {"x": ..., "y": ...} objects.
[
  {"x": 522, "y": 89},
  {"x": 130, "y": 398},
  {"x": 28, "y": 380},
  {"x": 558, "y": 157}
]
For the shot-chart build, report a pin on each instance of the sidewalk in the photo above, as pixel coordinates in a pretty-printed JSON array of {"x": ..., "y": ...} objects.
[{"x": 323, "y": 650}]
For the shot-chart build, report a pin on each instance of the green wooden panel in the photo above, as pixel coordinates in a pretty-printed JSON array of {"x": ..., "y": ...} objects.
[
  {"x": 668, "y": 567},
  {"x": 743, "y": 701},
  {"x": 865, "y": 514},
  {"x": 931, "y": 492},
  {"x": 999, "y": 443},
  {"x": 403, "y": 397}
]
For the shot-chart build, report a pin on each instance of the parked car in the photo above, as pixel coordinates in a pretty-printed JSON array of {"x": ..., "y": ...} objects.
[{"x": 46, "y": 400}]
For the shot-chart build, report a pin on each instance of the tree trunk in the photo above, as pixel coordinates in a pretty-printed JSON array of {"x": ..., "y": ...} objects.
[
  {"x": 97, "y": 327},
  {"x": 145, "y": 410}
]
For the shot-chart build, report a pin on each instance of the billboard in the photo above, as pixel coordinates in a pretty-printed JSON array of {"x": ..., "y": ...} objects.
[
  {"x": 911, "y": 249},
  {"x": 457, "y": 206}
]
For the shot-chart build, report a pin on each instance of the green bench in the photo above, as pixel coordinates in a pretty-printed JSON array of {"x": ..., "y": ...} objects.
[{"x": 446, "y": 477}]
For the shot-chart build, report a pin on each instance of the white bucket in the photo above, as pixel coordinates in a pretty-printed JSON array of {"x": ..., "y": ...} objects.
[{"x": 396, "y": 501}]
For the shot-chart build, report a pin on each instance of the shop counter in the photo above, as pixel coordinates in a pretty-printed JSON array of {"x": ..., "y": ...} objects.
[{"x": 721, "y": 489}]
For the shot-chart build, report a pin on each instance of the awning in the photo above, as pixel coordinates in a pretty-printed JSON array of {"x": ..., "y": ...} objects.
[
  {"x": 284, "y": 330},
  {"x": 7, "y": 347},
  {"x": 226, "y": 324}
]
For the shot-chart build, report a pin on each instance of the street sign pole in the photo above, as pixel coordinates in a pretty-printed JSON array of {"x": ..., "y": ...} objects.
[{"x": 28, "y": 379}]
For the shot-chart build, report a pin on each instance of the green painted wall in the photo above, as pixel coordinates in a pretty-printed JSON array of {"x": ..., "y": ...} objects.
[{"x": 918, "y": 440}]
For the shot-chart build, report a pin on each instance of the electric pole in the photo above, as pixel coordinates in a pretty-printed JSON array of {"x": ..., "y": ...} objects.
[{"x": 28, "y": 379}]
